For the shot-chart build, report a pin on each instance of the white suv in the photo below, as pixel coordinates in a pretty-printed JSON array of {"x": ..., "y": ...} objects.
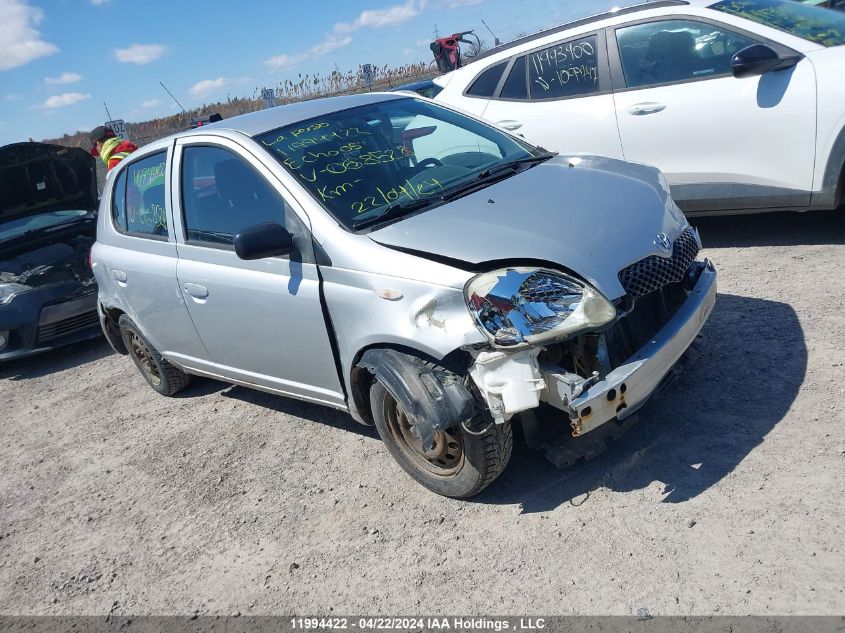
[{"x": 741, "y": 103}]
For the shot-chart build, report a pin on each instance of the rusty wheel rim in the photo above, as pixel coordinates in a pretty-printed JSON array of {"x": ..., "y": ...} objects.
[
  {"x": 142, "y": 354},
  {"x": 444, "y": 460}
]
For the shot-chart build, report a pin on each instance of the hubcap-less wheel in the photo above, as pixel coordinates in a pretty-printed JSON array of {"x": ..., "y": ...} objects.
[
  {"x": 145, "y": 360},
  {"x": 444, "y": 460}
]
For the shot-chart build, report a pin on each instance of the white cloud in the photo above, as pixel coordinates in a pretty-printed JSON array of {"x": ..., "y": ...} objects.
[
  {"x": 455, "y": 4},
  {"x": 340, "y": 37},
  {"x": 210, "y": 86},
  {"x": 331, "y": 43},
  {"x": 150, "y": 103},
  {"x": 64, "y": 100},
  {"x": 64, "y": 78},
  {"x": 378, "y": 18},
  {"x": 12, "y": 96},
  {"x": 283, "y": 62},
  {"x": 139, "y": 53},
  {"x": 98, "y": 3},
  {"x": 20, "y": 42}
]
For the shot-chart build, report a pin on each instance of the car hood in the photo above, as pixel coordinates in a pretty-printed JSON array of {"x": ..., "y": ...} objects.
[
  {"x": 591, "y": 215},
  {"x": 37, "y": 178}
]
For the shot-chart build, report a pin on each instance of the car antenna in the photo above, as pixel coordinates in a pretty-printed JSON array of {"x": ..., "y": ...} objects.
[
  {"x": 496, "y": 40},
  {"x": 177, "y": 101}
]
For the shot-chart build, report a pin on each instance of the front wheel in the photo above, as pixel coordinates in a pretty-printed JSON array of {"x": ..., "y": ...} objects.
[{"x": 460, "y": 465}]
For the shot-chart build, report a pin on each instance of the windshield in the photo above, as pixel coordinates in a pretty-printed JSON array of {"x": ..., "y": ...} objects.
[
  {"x": 19, "y": 226},
  {"x": 360, "y": 163},
  {"x": 817, "y": 24}
]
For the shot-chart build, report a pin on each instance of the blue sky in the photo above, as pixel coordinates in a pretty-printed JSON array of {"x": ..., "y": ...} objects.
[{"x": 60, "y": 59}]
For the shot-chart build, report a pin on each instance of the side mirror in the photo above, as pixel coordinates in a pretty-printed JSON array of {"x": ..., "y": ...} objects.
[
  {"x": 263, "y": 240},
  {"x": 759, "y": 59}
]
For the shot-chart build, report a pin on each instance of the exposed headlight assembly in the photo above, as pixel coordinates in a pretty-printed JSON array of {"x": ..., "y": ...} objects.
[
  {"x": 9, "y": 290},
  {"x": 526, "y": 306}
]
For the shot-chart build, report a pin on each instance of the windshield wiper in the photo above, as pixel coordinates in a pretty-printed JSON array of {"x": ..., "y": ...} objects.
[
  {"x": 491, "y": 174},
  {"x": 396, "y": 210},
  {"x": 513, "y": 165}
]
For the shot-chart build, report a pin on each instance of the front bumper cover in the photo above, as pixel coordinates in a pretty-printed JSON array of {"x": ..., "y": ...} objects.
[
  {"x": 49, "y": 317},
  {"x": 628, "y": 387}
]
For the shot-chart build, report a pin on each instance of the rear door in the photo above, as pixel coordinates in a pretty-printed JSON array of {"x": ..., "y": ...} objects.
[
  {"x": 141, "y": 258},
  {"x": 559, "y": 97},
  {"x": 722, "y": 142},
  {"x": 261, "y": 321}
]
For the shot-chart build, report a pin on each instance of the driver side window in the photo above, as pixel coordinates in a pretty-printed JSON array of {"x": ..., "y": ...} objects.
[
  {"x": 222, "y": 194},
  {"x": 670, "y": 51}
]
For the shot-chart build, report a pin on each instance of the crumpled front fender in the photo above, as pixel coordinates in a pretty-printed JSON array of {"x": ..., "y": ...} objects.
[{"x": 433, "y": 402}]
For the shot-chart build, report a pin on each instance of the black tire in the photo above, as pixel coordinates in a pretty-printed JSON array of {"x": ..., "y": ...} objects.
[
  {"x": 482, "y": 457},
  {"x": 163, "y": 377}
]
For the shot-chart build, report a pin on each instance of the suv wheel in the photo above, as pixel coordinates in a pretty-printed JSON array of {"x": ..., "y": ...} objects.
[
  {"x": 165, "y": 378},
  {"x": 461, "y": 464}
]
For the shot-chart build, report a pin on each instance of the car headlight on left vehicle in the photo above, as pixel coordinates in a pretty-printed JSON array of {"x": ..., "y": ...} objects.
[
  {"x": 526, "y": 306},
  {"x": 9, "y": 290}
]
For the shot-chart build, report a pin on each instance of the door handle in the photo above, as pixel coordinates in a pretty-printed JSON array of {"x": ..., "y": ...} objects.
[
  {"x": 646, "y": 108},
  {"x": 196, "y": 290},
  {"x": 119, "y": 276},
  {"x": 510, "y": 125}
]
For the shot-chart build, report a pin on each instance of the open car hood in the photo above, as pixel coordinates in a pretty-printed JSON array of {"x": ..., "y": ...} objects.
[
  {"x": 591, "y": 215},
  {"x": 37, "y": 178}
]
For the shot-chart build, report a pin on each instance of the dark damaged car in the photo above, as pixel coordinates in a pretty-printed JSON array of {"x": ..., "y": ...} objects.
[{"x": 48, "y": 202}]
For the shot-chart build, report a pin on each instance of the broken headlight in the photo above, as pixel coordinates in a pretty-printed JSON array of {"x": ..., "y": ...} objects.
[
  {"x": 518, "y": 306},
  {"x": 9, "y": 290}
]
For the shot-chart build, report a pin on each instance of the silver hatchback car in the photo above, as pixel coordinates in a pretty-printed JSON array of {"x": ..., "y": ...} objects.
[{"x": 425, "y": 271}]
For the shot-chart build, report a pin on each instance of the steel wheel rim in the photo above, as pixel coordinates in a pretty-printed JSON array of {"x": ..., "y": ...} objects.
[
  {"x": 447, "y": 457},
  {"x": 142, "y": 354}
]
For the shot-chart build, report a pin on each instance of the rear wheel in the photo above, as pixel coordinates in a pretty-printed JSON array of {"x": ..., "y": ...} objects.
[
  {"x": 460, "y": 465},
  {"x": 165, "y": 378}
]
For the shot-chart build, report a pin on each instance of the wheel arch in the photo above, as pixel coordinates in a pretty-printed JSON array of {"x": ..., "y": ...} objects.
[
  {"x": 361, "y": 374},
  {"x": 109, "y": 318},
  {"x": 832, "y": 193}
]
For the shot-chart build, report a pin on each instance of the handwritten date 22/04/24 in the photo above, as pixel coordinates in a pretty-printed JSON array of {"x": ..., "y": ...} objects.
[{"x": 405, "y": 191}]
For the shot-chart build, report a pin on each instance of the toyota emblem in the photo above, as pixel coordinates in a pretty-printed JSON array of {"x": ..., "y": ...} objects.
[{"x": 663, "y": 242}]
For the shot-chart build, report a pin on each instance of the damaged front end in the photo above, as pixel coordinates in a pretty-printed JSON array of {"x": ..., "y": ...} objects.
[
  {"x": 556, "y": 345},
  {"x": 47, "y": 292},
  {"x": 554, "y": 350}
]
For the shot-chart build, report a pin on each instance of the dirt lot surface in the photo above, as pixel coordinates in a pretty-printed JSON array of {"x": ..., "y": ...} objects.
[{"x": 728, "y": 497}]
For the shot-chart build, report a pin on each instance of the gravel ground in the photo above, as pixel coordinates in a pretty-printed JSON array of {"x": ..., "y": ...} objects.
[{"x": 728, "y": 497}]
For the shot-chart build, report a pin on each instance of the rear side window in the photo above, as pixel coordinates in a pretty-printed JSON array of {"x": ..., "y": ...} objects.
[
  {"x": 222, "y": 195},
  {"x": 570, "y": 69},
  {"x": 515, "y": 86},
  {"x": 118, "y": 202},
  {"x": 138, "y": 205},
  {"x": 486, "y": 83}
]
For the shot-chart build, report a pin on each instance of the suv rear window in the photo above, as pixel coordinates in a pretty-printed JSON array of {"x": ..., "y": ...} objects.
[
  {"x": 485, "y": 84},
  {"x": 817, "y": 24}
]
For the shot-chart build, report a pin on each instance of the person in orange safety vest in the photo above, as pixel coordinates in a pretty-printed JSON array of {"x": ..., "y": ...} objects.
[{"x": 109, "y": 147}]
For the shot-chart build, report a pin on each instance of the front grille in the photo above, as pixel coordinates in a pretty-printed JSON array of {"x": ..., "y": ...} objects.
[
  {"x": 652, "y": 273},
  {"x": 67, "y": 326}
]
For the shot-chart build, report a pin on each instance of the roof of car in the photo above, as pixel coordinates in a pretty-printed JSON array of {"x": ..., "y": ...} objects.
[
  {"x": 642, "y": 5},
  {"x": 280, "y": 116}
]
